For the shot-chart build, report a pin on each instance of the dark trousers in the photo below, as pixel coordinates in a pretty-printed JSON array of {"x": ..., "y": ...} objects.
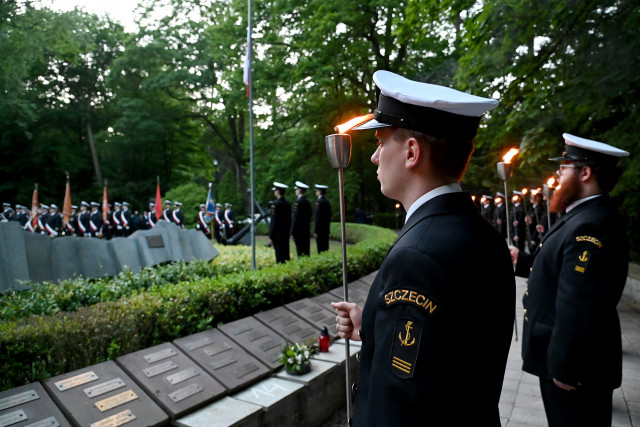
[
  {"x": 303, "y": 245},
  {"x": 322, "y": 242},
  {"x": 585, "y": 406},
  {"x": 281, "y": 247}
]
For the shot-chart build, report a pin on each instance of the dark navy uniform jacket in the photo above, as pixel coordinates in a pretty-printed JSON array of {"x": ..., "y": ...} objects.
[
  {"x": 571, "y": 328},
  {"x": 280, "y": 224},
  {"x": 301, "y": 219},
  {"x": 322, "y": 224},
  {"x": 434, "y": 329}
]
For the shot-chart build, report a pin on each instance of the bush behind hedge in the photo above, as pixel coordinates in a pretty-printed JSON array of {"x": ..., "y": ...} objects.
[{"x": 40, "y": 347}]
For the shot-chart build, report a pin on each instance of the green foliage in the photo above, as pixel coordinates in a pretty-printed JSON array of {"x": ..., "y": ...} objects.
[{"x": 39, "y": 347}]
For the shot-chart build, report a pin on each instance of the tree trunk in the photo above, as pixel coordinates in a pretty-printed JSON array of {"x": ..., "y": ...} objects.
[{"x": 94, "y": 154}]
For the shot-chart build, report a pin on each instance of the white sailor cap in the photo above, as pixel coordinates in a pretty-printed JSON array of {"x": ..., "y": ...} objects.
[
  {"x": 218, "y": 205},
  {"x": 500, "y": 195},
  {"x": 83, "y": 203},
  {"x": 486, "y": 196},
  {"x": 167, "y": 202},
  {"x": 53, "y": 206},
  {"x": 518, "y": 193},
  {"x": 586, "y": 150},
  {"x": 74, "y": 207},
  {"x": 118, "y": 204},
  {"x": 321, "y": 187},
  {"x": 227, "y": 205},
  {"x": 95, "y": 204},
  {"x": 279, "y": 186},
  {"x": 177, "y": 203},
  {"x": 151, "y": 204},
  {"x": 43, "y": 206},
  {"x": 431, "y": 109},
  {"x": 6, "y": 204},
  {"x": 202, "y": 205},
  {"x": 125, "y": 204},
  {"x": 301, "y": 185}
]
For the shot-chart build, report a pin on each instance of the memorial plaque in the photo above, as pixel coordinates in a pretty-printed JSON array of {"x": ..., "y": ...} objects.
[
  {"x": 102, "y": 403},
  {"x": 224, "y": 359},
  {"x": 29, "y": 404},
  {"x": 360, "y": 285},
  {"x": 315, "y": 314},
  {"x": 155, "y": 241},
  {"x": 325, "y": 300},
  {"x": 289, "y": 326},
  {"x": 265, "y": 348},
  {"x": 355, "y": 295},
  {"x": 171, "y": 378},
  {"x": 49, "y": 422},
  {"x": 76, "y": 381}
]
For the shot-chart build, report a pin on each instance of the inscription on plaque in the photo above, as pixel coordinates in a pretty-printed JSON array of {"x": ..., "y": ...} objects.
[
  {"x": 268, "y": 345},
  {"x": 117, "y": 400},
  {"x": 216, "y": 349},
  {"x": 159, "y": 369},
  {"x": 298, "y": 305},
  {"x": 309, "y": 332},
  {"x": 198, "y": 343},
  {"x": 115, "y": 420},
  {"x": 178, "y": 377},
  {"x": 288, "y": 320},
  {"x": 241, "y": 329},
  {"x": 222, "y": 363},
  {"x": 183, "y": 393},
  {"x": 317, "y": 317},
  {"x": 12, "y": 418},
  {"x": 100, "y": 389},
  {"x": 256, "y": 335},
  {"x": 155, "y": 241},
  {"x": 291, "y": 329},
  {"x": 159, "y": 355},
  {"x": 76, "y": 381},
  {"x": 245, "y": 369},
  {"x": 47, "y": 422},
  {"x": 313, "y": 309},
  {"x": 18, "y": 399}
]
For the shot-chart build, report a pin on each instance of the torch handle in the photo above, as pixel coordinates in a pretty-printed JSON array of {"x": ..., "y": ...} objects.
[
  {"x": 506, "y": 206},
  {"x": 343, "y": 234}
]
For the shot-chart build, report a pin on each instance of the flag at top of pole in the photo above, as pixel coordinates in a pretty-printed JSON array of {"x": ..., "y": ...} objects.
[
  {"x": 158, "y": 206},
  {"x": 246, "y": 78},
  {"x": 211, "y": 207}
]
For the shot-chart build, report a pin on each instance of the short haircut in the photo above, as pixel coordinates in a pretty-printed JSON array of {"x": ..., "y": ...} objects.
[
  {"x": 606, "y": 175},
  {"x": 448, "y": 157}
]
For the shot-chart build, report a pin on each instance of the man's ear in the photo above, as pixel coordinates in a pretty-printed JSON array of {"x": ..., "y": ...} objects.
[
  {"x": 414, "y": 153},
  {"x": 585, "y": 174}
]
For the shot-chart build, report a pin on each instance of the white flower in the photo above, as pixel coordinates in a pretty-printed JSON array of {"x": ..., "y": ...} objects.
[
  {"x": 299, "y": 358},
  {"x": 290, "y": 361},
  {"x": 306, "y": 354}
]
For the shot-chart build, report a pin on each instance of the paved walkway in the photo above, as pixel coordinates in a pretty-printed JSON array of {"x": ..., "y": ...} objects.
[{"x": 521, "y": 404}]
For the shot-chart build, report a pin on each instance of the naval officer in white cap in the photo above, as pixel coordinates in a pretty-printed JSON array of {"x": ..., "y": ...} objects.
[
  {"x": 416, "y": 361},
  {"x": 571, "y": 333},
  {"x": 280, "y": 225},
  {"x": 301, "y": 220}
]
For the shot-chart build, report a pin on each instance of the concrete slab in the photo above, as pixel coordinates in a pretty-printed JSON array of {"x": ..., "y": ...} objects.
[
  {"x": 223, "y": 359},
  {"x": 257, "y": 339},
  {"x": 64, "y": 258},
  {"x": 14, "y": 263},
  {"x": 315, "y": 314},
  {"x": 280, "y": 400},
  {"x": 228, "y": 412},
  {"x": 30, "y": 405},
  {"x": 39, "y": 256},
  {"x": 356, "y": 295},
  {"x": 318, "y": 369},
  {"x": 104, "y": 395},
  {"x": 289, "y": 326},
  {"x": 337, "y": 353},
  {"x": 95, "y": 257},
  {"x": 126, "y": 252},
  {"x": 172, "y": 379}
]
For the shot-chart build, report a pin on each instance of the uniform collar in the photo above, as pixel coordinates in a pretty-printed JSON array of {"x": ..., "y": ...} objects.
[
  {"x": 447, "y": 188},
  {"x": 579, "y": 202}
]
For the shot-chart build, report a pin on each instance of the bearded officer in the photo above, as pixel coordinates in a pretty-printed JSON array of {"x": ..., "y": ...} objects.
[
  {"x": 413, "y": 360},
  {"x": 280, "y": 224},
  {"x": 571, "y": 334},
  {"x": 301, "y": 220}
]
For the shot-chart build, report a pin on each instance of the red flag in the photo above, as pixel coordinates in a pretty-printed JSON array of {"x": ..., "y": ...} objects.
[
  {"x": 34, "y": 208},
  {"x": 158, "y": 207},
  {"x": 105, "y": 204},
  {"x": 66, "y": 206}
]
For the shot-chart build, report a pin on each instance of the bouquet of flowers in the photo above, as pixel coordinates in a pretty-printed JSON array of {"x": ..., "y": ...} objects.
[{"x": 296, "y": 358}]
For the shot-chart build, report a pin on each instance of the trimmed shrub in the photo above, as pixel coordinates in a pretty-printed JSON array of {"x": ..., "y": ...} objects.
[{"x": 40, "y": 347}]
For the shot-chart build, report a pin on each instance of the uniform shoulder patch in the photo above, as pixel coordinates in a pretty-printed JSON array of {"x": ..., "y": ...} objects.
[
  {"x": 406, "y": 343},
  {"x": 583, "y": 262},
  {"x": 412, "y": 297},
  {"x": 590, "y": 239}
]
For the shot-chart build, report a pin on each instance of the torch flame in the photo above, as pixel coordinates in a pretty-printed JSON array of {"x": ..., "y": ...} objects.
[
  {"x": 550, "y": 182},
  {"x": 525, "y": 191},
  {"x": 353, "y": 123},
  {"x": 512, "y": 152}
]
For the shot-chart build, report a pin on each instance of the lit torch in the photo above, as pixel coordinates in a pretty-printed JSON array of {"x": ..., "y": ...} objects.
[
  {"x": 339, "y": 153},
  {"x": 548, "y": 193},
  {"x": 504, "y": 172}
]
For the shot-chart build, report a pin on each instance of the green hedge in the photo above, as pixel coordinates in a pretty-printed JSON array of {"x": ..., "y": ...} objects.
[{"x": 40, "y": 347}]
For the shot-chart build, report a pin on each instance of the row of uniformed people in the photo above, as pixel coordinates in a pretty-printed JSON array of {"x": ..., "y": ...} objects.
[
  {"x": 293, "y": 223},
  {"x": 222, "y": 222},
  {"x": 534, "y": 221}
]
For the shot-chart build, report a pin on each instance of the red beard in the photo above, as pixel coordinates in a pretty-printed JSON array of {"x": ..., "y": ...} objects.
[{"x": 569, "y": 192}]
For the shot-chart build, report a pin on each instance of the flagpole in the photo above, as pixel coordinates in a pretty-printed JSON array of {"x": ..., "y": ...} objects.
[{"x": 253, "y": 225}]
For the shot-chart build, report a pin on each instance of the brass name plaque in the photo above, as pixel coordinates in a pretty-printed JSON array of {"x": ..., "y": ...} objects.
[
  {"x": 18, "y": 399},
  {"x": 117, "y": 400},
  {"x": 47, "y": 422},
  {"x": 155, "y": 241},
  {"x": 76, "y": 381},
  {"x": 159, "y": 369},
  {"x": 198, "y": 343},
  {"x": 115, "y": 420},
  {"x": 222, "y": 363},
  {"x": 12, "y": 418},
  {"x": 268, "y": 345},
  {"x": 291, "y": 329},
  {"x": 178, "y": 377},
  {"x": 159, "y": 355},
  {"x": 183, "y": 393},
  {"x": 245, "y": 369},
  {"x": 216, "y": 349},
  {"x": 241, "y": 329},
  {"x": 256, "y": 335},
  {"x": 103, "y": 388}
]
